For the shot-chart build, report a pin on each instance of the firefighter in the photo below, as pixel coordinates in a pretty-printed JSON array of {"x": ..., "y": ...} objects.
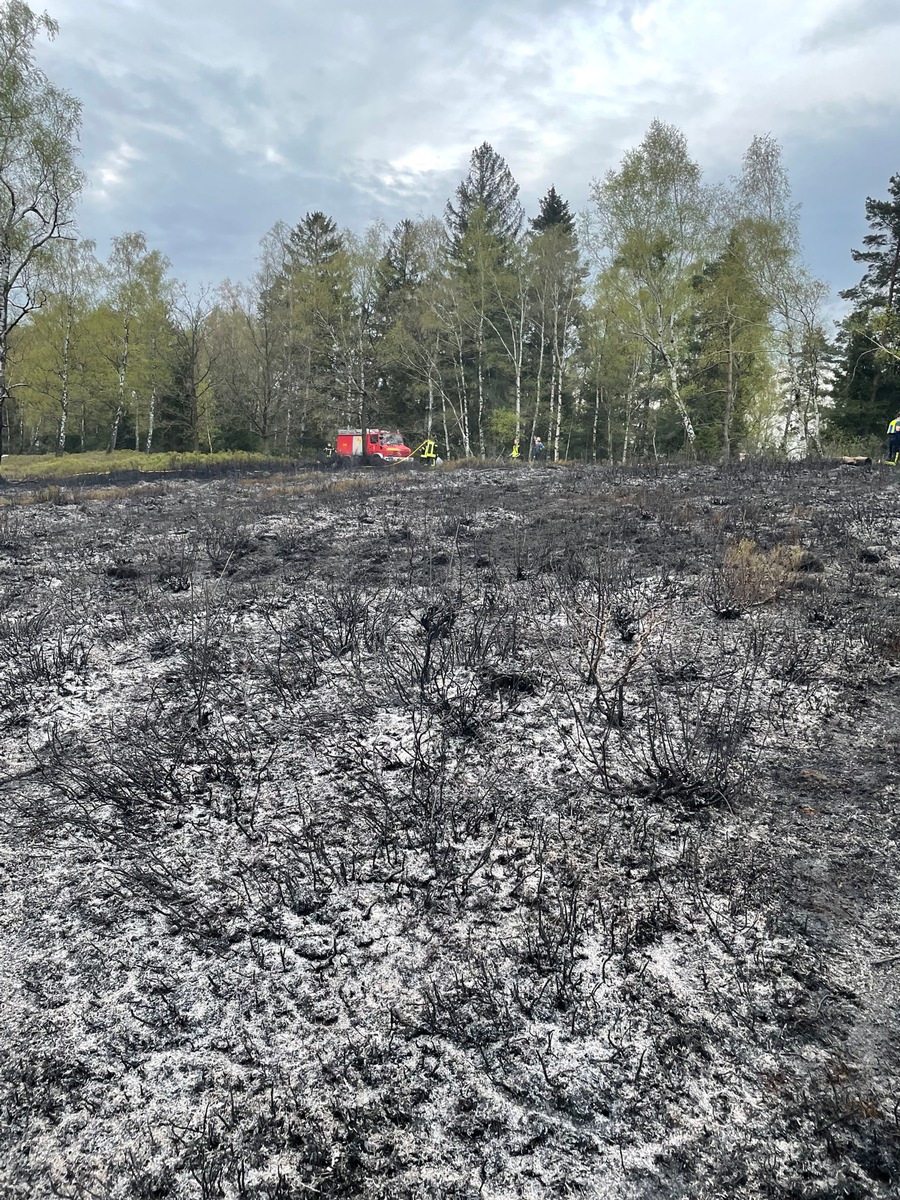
[
  {"x": 515, "y": 450},
  {"x": 538, "y": 450},
  {"x": 893, "y": 440},
  {"x": 429, "y": 454}
]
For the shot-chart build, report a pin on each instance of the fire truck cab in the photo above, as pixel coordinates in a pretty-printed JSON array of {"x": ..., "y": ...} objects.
[{"x": 379, "y": 443}]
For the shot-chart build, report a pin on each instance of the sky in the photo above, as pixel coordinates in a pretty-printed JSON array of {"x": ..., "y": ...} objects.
[{"x": 206, "y": 121}]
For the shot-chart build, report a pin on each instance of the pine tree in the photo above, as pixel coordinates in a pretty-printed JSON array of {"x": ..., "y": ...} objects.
[
  {"x": 315, "y": 241},
  {"x": 880, "y": 285},
  {"x": 401, "y": 271},
  {"x": 867, "y": 383}
]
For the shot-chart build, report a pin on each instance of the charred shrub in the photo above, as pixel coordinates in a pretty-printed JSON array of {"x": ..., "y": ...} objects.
[
  {"x": 700, "y": 735},
  {"x": 176, "y": 563},
  {"x": 10, "y": 530},
  {"x": 227, "y": 540}
]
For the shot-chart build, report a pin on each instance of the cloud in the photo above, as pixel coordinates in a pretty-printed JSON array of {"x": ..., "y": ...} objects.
[
  {"x": 853, "y": 23},
  {"x": 111, "y": 173},
  {"x": 205, "y": 122}
]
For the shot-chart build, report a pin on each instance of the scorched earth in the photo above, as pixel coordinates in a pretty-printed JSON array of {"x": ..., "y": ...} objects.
[{"x": 481, "y": 833}]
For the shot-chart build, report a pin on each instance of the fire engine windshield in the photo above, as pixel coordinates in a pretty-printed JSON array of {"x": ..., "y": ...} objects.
[{"x": 391, "y": 439}]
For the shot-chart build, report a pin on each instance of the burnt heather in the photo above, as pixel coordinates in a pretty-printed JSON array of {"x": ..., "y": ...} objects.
[{"x": 482, "y": 833}]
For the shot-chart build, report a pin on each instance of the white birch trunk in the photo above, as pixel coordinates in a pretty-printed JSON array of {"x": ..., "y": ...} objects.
[
  {"x": 64, "y": 397},
  {"x": 151, "y": 419},
  {"x": 120, "y": 405}
]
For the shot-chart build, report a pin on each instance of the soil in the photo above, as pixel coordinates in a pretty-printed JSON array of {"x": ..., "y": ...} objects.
[{"x": 515, "y": 832}]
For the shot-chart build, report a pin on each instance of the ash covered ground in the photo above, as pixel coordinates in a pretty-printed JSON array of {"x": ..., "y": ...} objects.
[{"x": 481, "y": 833}]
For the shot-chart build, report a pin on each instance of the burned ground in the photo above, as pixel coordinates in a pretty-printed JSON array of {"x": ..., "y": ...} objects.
[{"x": 503, "y": 833}]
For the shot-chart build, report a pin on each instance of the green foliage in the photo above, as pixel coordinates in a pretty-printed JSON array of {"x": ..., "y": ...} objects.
[
  {"x": 402, "y": 277},
  {"x": 701, "y": 333},
  {"x": 489, "y": 190},
  {"x": 655, "y": 227},
  {"x": 554, "y": 211},
  {"x": 40, "y": 179},
  {"x": 731, "y": 335},
  {"x": 31, "y": 466},
  {"x": 502, "y": 425},
  {"x": 879, "y": 287},
  {"x": 867, "y": 380},
  {"x": 295, "y": 338},
  {"x": 866, "y": 386}
]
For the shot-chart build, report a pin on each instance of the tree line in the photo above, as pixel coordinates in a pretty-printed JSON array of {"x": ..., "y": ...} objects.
[{"x": 673, "y": 316}]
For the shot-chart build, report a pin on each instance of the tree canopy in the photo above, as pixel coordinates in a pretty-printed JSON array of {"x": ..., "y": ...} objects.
[
  {"x": 867, "y": 382},
  {"x": 39, "y": 178},
  {"x": 673, "y": 316}
]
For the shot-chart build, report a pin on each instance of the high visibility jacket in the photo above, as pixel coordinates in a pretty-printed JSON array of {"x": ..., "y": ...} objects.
[{"x": 894, "y": 427}]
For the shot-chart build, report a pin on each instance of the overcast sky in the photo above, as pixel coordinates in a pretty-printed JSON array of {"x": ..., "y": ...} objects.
[{"x": 205, "y": 121}]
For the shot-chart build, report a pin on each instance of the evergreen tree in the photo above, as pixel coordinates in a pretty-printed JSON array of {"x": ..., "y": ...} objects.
[
  {"x": 315, "y": 245},
  {"x": 316, "y": 297},
  {"x": 404, "y": 263},
  {"x": 731, "y": 325},
  {"x": 866, "y": 387},
  {"x": 557, "y": 284},
  {"x": 489, "y": 188},
  {"x": 553, "y": 211},
  {"x": 401, "y": 275},
  {"x": 867, "y": 381},
  {"x": 483, "y": 228},
  {"x": 879, "y": 287}
]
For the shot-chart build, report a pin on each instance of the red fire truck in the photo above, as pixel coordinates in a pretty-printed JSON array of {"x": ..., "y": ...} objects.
[{"x": 380, "y": 443}]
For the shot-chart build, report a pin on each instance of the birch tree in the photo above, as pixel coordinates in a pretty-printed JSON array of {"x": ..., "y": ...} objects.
[
  {"x": 189, "y": 338},
  {"x": 612, "y": 364},
  {"x": 39, "y": 178},
  {"x": 557, "y": 278},
  {"x": 356, "y": 330},
  {"x": 55, "y": 339},
  {"x": 733, "y": 338},
  {"x": 248, "y": 340},
  {"x": 483, "y": 228},
  {"x": 762, "y": 207},
  {"x": 652, "y": 231},
  {"x": 138, "y": 289}
]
